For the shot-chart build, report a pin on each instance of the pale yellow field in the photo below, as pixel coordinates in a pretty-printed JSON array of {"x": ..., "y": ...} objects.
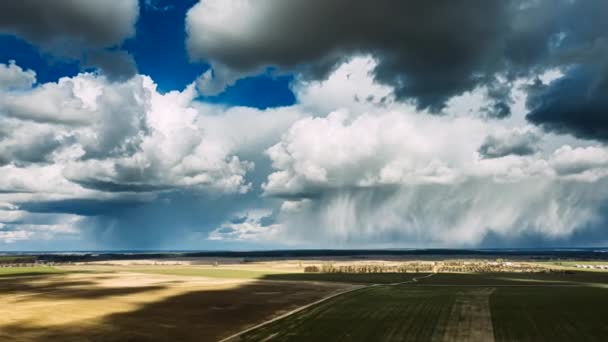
[{"x": 109, "y": 303}]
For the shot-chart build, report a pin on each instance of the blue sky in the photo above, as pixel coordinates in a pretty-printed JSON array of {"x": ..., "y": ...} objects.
[
  {"x": 159, "y": 50},
  {"x": 225, "y": 124}
]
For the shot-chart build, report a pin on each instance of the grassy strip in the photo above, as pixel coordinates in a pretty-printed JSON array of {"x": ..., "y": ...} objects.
[
  {"x": 355, "y": 278},
  {"x": 16, "y": 258},
  {"x": 29, "y": 271},
  {"x": 205, "y": 272}
]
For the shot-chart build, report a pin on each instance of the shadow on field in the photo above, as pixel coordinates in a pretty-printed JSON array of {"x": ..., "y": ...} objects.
[
  {"x": 181, "y": 311},
  {"x": 199, "y": 315},
  {"x": 350, "y": 278},
  {"x": 47, "y": 287}
]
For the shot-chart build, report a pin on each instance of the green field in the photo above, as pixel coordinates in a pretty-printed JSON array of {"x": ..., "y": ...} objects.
[
  {"x": 119, "y": 302},
  {"x": 371, "y": 314},
  {"x": 550, "y": 314},
  {"x": 5, "y": 259},
  {"x": 454, "y": 307},
  {"x": 194, "y": 271},
  {"x": 28, "y": 271},
  {"x": 354, "y": 278},
  {"x": 228, "y": 273},
  {"x": 582, "y": 278}
]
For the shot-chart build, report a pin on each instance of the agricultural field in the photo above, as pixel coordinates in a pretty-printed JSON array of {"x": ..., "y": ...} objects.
[
  {"x": 457, "y": 307},
  {"x": 277, "y": 301},
  {"x": 29, "y": 271},
  {"x": 106, "y": 304}
]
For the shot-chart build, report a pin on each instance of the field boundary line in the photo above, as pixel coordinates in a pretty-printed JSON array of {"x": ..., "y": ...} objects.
[
  {"x": 294, "y": 311},
  {"x": 302, "y": 308}
]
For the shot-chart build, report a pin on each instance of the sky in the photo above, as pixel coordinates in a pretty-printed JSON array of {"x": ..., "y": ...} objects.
[{"x": 269, "y": 124}]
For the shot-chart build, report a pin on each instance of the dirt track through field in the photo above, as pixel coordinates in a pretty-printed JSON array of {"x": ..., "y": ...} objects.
[
  {"x": 470, "y": 319},
  {"x": 304, "y": 307},
  {"x": 123, "y": 306}
]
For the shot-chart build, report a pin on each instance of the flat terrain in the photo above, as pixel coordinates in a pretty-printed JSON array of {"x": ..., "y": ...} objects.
[
  {"x": 457, "y": 307},
  {"x": 28, "y": 271},
  {"x": 132, "y": 306},
  {"x": 194, "y": 301}
]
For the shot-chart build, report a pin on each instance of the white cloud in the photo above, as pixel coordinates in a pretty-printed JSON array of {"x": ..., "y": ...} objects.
[
  {"x": 15, "y": 235},
  {"x": 18, "y": 225},
  {"x": 86, "y": 136},
  {"x": 346, "y": 170},
  {"x": 13, "y": 77},
  {"x": 342, "y": 150},
  {"x": 587, "y": 164},
  {"x": 351, "y": 83},
  {"x": 387, "y": 175},
  {"x": 247, "y": 226}
]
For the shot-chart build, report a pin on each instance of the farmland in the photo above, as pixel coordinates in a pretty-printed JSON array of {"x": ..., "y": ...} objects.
[
  {"x": 28, "y": 271},
  {"x": 458, "y": 307},
  {"x": 117, "y": 305},
  {"x": 202, "y": 300}
]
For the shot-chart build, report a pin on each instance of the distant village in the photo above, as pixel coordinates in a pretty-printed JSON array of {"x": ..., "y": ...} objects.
[
  {"x": 592, "y": 267},
  {"x": 452, "y": 266},
  {"x": 445, "y": 266}
]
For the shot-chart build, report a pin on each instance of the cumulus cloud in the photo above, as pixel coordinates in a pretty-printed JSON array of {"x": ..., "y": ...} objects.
[
  {"x": 465, "y": 47},
  {"x": 519, "y": 142},
  {"x": 125, "y": 136},
  {"x": 13, "y": 236},
  {"x": 321, "y": 33},
  {"x": 67, "y": 21},
  {"x": 72, "y": 29},
  {"x": 385, "y": 175},
  {"x": 576, "y": 103},
  {"x": 18, "y": 225},
  {"x": 116, "y": 64},
  {"x": 13, "y": 77},
  {"x": 345, "y": 166},
  {"x": 581, "y": 163},
  {"x": 91, "y": 147},
  {"x": 247, "y": 226},
  {"x": 371, "y": 150}
]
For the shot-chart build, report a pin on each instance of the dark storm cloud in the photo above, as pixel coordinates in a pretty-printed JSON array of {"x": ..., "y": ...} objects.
[
  {"x": 588, "y": 236},
  {"x": 91, "y": 23},
  {"x": 116, "y": 65},
  {"x": 82, "y": 207},
  {"x": 70, "y": 28},
  {"x": 108, "y": 186},
  {"x": 175, "y": 220},
  {"x": 428, "y": 51},
  {"x": 575, "y": 104}
]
